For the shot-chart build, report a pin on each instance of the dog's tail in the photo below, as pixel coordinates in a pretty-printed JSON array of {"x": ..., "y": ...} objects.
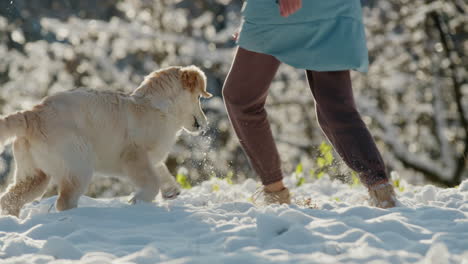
[{"x": 11, "y": 126}]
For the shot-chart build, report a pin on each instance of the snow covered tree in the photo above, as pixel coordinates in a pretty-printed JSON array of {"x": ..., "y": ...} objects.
[{"x": 416, "y": 91}]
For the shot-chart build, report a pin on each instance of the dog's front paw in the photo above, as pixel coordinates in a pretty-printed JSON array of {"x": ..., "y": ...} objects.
[{"x": 170, "y": 193}]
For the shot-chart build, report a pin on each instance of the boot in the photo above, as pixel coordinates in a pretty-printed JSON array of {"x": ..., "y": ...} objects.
[
  {"x": 382, "y": 195},
  {"x": 280, "y": 197}
]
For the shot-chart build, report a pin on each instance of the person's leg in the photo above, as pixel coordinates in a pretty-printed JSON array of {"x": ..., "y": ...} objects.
[
  {"x": 341, "y": 122},
  {"x": 245, "y": 91}
]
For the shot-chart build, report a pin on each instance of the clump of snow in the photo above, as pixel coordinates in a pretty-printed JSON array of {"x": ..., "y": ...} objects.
[
  {"x": 60, "y": 248},
  {"x": 270, "y": 226},
  {"x": 464, "y": 186},
  {"x": 215, "y": 222}
]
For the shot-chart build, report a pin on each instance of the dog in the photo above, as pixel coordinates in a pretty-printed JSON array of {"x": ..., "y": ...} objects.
[{"x": 70, "y": 135}]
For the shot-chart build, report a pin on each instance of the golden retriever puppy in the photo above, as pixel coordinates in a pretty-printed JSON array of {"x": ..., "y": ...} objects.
[{"x": 73, "y": 134}]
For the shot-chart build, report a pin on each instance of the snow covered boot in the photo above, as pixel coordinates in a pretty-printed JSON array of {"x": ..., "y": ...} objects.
[
  {"x": 280, "y": 197},
  {"x": 382, "y": 195}
]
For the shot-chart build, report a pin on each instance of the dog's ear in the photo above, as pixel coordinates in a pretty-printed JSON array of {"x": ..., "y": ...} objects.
[{"x": 193, "y": 79}]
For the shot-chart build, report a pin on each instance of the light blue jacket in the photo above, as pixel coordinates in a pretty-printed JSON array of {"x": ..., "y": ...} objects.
[{"x": 324, "y": 35}]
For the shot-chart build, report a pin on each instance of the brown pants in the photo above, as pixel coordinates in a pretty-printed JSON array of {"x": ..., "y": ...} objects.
[{"x": 245, "y": 92}]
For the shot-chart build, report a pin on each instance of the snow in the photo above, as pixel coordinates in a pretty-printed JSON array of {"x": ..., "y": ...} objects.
[{"x": 215, "y": 222}]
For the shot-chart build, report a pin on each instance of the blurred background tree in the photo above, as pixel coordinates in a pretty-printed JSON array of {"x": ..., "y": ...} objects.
[
  {"x": 414, "y": 98},
  {"x": 416, "y": 92}
]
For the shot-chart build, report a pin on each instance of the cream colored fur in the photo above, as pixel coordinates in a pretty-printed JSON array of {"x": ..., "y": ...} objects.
[{"x": 73, "y": 134}]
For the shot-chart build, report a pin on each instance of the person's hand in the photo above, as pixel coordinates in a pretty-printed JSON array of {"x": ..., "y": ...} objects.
[
  {"x": 235, "y": 35},
  {"x": 289, "y": 7}
]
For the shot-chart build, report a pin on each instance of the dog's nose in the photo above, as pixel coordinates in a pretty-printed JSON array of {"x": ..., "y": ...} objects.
[{"x": 195, "y": 123}]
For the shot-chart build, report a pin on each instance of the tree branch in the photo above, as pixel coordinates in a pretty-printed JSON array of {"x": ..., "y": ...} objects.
[
  {"x": 432, "y": 171},
  {"x": 456, "y": 85}
]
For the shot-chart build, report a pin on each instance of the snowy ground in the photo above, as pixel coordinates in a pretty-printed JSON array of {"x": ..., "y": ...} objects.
[{"x": 216, "y": 223}]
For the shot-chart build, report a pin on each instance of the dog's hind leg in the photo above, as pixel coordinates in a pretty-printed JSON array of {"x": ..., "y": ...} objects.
[
  {"x": 75, "y": 177},
  {"x": 30, "y": 182},
  {"x": 70, "y": 189},
  {"x": 137, "y": 166},
  {"x": 169, "y": 187},
  {"x": 73, "y": 169}
]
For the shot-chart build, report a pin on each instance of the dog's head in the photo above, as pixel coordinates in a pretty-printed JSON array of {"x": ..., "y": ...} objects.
[
  {"x": 193, "y": 82},
  {"x": 177, "y": 91}
]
